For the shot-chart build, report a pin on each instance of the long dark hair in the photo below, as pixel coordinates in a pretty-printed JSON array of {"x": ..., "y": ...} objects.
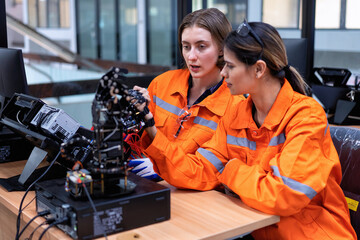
[{"x": 248, "y": 50}]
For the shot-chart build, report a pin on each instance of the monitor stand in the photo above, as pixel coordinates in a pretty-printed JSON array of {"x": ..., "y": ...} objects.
[
  {"x": 343, "y": 108},
  {"x": 36, "y": 157}
]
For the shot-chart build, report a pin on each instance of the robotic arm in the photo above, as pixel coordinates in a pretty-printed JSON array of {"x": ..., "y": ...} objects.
[{"x": 105, "y": 157}]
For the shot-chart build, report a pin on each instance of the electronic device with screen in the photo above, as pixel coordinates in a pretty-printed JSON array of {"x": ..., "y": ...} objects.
[
  {"x": 44, "y": 127},
  {"x": 12, "y": 80},
  {"x": 12, "y": 74},
  {"x": 296, "y": 49}
]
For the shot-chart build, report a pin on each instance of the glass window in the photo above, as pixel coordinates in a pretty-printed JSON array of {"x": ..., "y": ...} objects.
[
  {"x": 87, "y": 28},
  {"x": 281, "y": 14},
  {"x": 42, "y": 16},
  {"x": 196, "y": 5},
  {"x": 64, "y": 14},
  {"x": 352, "y": 11},
  {"x": 161, "y": 26},
  {"x": 53, "y": 13},
  {"x": 235, "y": 10},
  {"x": 107, "y": 29},
  {"x": 49, "y": 13},
  {"x": 327, "y": 13},
  {"x": 32, "y": 12},
  {"x": 128, "y": 30}
]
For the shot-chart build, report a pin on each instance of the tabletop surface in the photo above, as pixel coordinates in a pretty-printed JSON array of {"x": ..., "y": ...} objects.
[{"x": 194, "y": 215}]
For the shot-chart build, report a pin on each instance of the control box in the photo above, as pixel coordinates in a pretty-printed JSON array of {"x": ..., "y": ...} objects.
[{"x": 149, "y": 203}]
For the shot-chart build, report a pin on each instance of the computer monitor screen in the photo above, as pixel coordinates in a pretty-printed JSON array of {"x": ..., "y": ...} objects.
[
  {"x": 296, "y": 49},
  {"x": 12, "y": 74}
]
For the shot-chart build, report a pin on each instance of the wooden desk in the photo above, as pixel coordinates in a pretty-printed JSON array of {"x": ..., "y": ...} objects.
[{"x": 194, "y": 215}]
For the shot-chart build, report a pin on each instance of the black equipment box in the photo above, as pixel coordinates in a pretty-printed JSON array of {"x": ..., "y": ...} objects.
[
  {"x": 148, "y": 204},
  {"x": 13, "y": 147}
]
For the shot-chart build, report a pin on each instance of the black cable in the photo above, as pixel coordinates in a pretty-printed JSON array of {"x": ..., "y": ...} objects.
[
  {"x": 30, "y": 202},
  {"x": 26, "y": 192},
  {"x": 32, "y": 233},
  {"x": 51, "y": 225},
  {"x": 40, "y": 214},
  {"x": 96, "y": 214}
]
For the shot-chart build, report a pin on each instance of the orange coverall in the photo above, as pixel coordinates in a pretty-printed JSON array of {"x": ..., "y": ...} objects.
[
  {"x": 168, "y": 94},
  {"x": 287, "y": 167}
]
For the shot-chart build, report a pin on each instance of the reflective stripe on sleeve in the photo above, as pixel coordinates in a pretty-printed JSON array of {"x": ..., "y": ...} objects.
[
  {"x": 295, "y": 185},
  {"x": 277, "y": 140},
  {"x": 242, "y": 142},
  {"x": 167, "y": 106},
  {"x": 326, "y": 129},
  {"x": 204, "y": 122},
  {"x": 212, "y": 159}
]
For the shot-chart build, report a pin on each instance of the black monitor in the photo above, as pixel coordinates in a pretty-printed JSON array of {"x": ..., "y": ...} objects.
[
  {"x": 296, "y": 49},
  {"x": 12, "y": 74}
]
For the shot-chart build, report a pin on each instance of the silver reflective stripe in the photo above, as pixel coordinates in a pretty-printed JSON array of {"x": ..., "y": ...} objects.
[
  {"x": 327, "y": 127},
  {"x": 212, "y": 159},
  {"x": 295, "y": 185},
  {"x": 167, "y": 106},
  {"x": 277, "y": 140},
  {"x": 242, "y": 142},
  {"x": 206, "y": 123}
]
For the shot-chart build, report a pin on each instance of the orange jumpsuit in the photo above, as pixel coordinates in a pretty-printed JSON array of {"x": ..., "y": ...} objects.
[
  {"x": 287, "y": 167},
  {"x": 168, "y": 104}
]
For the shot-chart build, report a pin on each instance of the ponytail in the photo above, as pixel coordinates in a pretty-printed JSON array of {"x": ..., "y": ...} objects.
[{"x": 296, "y": 81}]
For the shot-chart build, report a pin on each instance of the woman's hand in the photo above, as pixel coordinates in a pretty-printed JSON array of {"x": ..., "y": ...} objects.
[
  {"x": 143, "y": 91},
  {"x": 141, "y": 106}
]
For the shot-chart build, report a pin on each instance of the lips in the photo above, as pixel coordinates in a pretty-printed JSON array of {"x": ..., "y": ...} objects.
[{"x": 194, "y": 68}]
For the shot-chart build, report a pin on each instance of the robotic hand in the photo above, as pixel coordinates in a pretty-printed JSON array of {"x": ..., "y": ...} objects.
[{"x": 143, "y": 167}]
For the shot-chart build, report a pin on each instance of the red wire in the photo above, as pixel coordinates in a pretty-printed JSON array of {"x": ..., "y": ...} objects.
[{"x": 133, "y": 139}]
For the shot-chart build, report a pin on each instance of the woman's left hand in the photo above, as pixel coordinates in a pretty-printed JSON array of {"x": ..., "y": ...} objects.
[{"x": 144, "y": 93}]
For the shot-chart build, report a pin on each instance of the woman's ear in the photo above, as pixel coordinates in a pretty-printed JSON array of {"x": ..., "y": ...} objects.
[
  {"x": 221, "y": 53},
  {"x": 260, "y": 67}
]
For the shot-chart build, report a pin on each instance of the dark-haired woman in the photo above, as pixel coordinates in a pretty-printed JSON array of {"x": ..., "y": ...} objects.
[{"x": 274, "y": 150}]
